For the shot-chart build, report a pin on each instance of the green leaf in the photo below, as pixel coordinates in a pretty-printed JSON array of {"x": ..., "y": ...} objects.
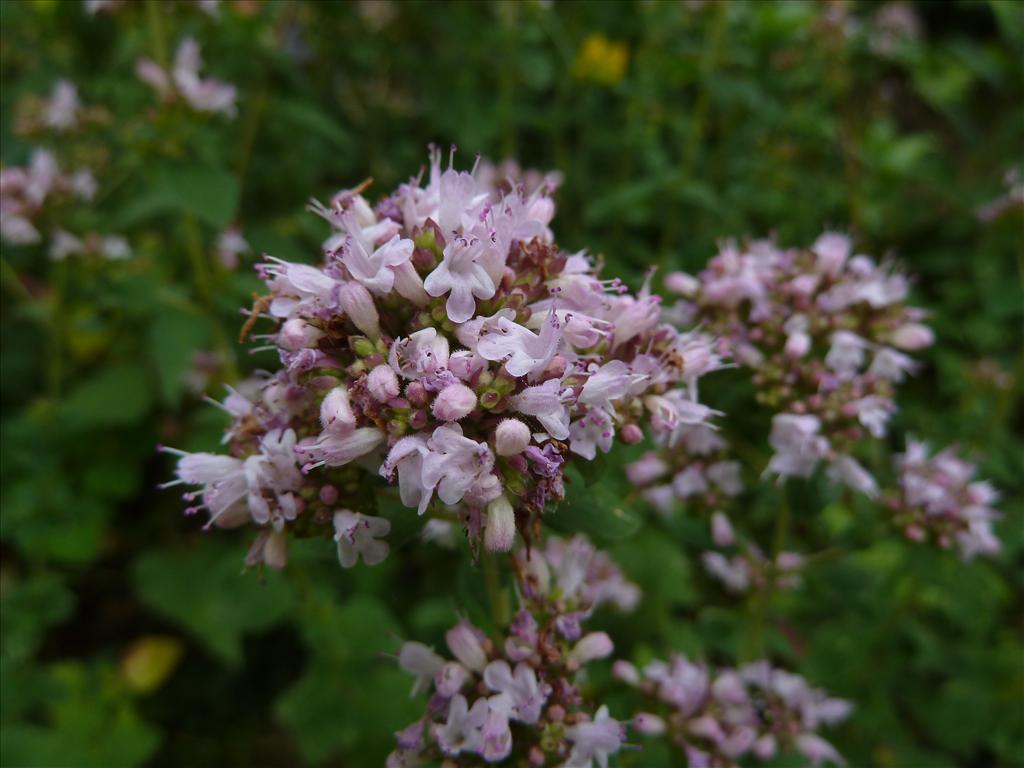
[
  {"x": 30, "y": 607},
  {"x": 117, "y": 396},
  {"x": 205, "y": 591},
  {"x": 211, "y": 194},
  {"x": 174, "y": 340},
  {"x": 599, "y": 509}
]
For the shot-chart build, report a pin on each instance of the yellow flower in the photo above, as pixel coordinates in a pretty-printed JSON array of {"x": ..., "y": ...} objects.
[{"x": 601, "y": 60}]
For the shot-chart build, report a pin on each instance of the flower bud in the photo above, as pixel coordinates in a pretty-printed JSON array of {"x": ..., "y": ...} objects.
[
  {"x": 721, "y": 530},
  {"x": 682, "y": 284},
  {"x": 500, "y": 532},
  {"x": 297, "y": 334},
  {"x": 382, "y": 383},
  {"x": 596, "y": 645},
  {"x": 416, "y": 394},
  {"x": 798, "y": 345},
  {"x": 626, "y": 672},
  {"x": 648, "y": 724},
  {"x": 912, "y": 337},
  {"x": 275, "y": 550},
  {"x": 511, "y": 437},
  {"x": 328, "y": 494},
  {"x": 464, "y": 643},
  {"x": 358, "y": 304},
  {"x": 454, "y": 402},
  {"x": 631, "y": 434},
  {"x": 336, "y": 412}
]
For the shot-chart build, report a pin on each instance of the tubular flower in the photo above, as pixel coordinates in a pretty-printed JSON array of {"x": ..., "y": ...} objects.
[
  {"x": 526, "y": 694},
  {"x": 825, "y": 333},
  {"x": 447, "y": 345},
  {"x": 720, "y": 717}
]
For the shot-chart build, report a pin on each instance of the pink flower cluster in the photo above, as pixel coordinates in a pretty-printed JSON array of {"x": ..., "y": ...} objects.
[
  {"x": 718, "y": 717},
  {"x": 939, "y": 499},
  {"x": 695, "y": 467},
  {"x": 183, "y": 82},
  {"x": 524, "y": 695},
  {"x": 27, "y": 193},
  {"x": 448, "y": 345},
  {"x": 826, "y": 333}
]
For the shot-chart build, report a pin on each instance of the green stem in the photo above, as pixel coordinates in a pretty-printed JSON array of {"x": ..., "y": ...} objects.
[
  {"x": 760, "y": 602},
  {"x": 709, "y": 63},
  {"x": 495, "y": 594},
  {"x": 204, "y": 287},
  {"x": 156, "y": 32}
]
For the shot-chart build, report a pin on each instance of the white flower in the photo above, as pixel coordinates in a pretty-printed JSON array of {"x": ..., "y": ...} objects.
[
  {"x": 357, "y": 535},
  {"x": 461, "y": 275},
  {"x": 594, "y": 740}
]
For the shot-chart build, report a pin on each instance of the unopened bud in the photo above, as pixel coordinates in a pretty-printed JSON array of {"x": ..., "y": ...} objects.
[
  {"x": 721, "y": 530},
  {"x": 464, "y": 643},
  {"x": 454, "y": 402},
  {"x": 511, "y": 437},
  {"x": 336, "y": 412},
  {"x": 682, "y": 284},
  {"x": 500, "y": 531},
  {"x": 382, "y": 383},
  {"x": 596, "y": 645},
  {"x": 297, "y": 334},
  {"x": 631, "y": 434},
  {"x": 358, "y": 304},
  {"x": 648, "y": 724},
  {"x": 912, "y": 337}
]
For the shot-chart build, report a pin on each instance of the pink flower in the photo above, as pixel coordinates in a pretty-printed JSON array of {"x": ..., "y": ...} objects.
[
  {"x": 357, "y": 535},
  {"x": 460, "y": 274},
  {"x": 373, "y": 270},
  {"x": 525, "y": 694},
  {"x": 544, "y": 402},
  {"x": 455, "y": 463},
  {"x": 594, "y": 740},
  {"x": 523, "y": 352},
  {"x": 797, "y": 443}
]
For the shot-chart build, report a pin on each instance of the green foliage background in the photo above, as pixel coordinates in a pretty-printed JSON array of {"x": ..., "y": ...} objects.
[{"x": 129, "y": 637}]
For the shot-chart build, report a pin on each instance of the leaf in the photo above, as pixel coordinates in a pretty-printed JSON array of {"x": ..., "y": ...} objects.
[
  {"x": 117, "y": 396},
  {"x": 204, "y": 591},
  {"x": 211, "y": 194},
  {"x": 598, "y": 510},
  {"x": 30, "y": 607},
  {"x": 175, "y": 338},
  {"x": 90, "y": 722}
]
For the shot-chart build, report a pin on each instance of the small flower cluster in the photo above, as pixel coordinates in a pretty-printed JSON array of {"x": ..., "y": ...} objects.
[
  {"x": 825, "y": 332},
  {"x": 183, "y": 82},
  {"x": 939, "y": 499},
  {"x": 447, "y": 344},
  {"x": 718, "y": 717},
  {"x": 695, "y": 468},
  {"x": 748, "y": 568},
  {"x": 524, "y": 696},
  {"x": 27, "y": 193},
  {"x": 61, "y": 113}
]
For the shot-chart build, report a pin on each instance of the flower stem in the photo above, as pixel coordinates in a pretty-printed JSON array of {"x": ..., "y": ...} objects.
[
  {"x": 495, "y": 594},
  {"x": 753, "y": 647}
]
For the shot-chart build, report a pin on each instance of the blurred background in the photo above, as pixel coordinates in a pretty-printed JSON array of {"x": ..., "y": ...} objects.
[{"x": 131, "y": 638}]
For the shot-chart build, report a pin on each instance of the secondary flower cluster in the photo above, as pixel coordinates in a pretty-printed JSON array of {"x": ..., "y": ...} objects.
[
  {"x": 523, "y": 696},
  {"x": 695, "y": 467},
  {"x": 939, "y": 499},
  {"x": 61, "y": 113},
  {"x": 825, "y": 333},
  {"x": 183, "y": 82},
  {"x": 26, "y": 194},
  {"x": 447, "y": 344},
  {"x": 718, "y": 717}
]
